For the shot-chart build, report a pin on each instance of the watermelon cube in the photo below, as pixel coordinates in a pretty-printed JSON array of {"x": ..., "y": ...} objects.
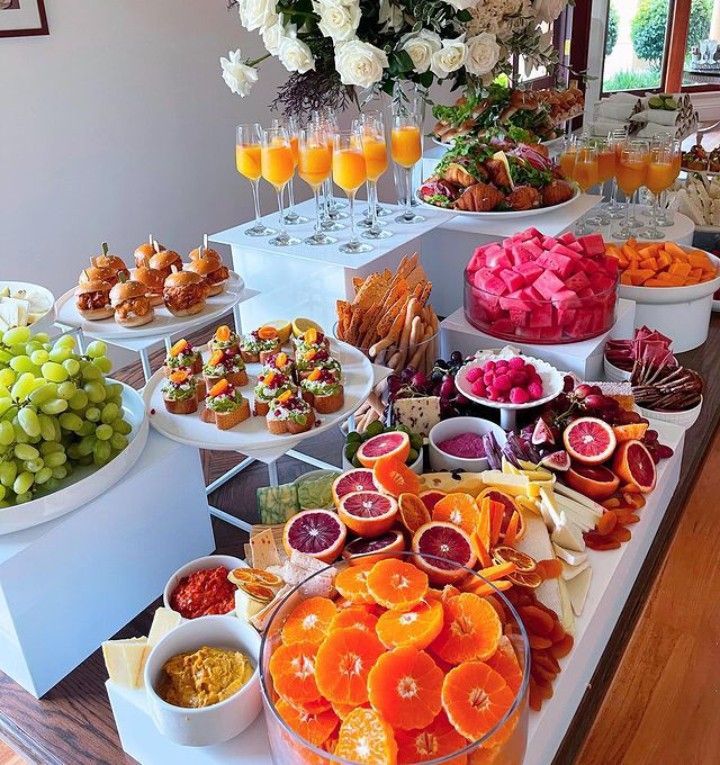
[
  {"x": 592, "y": 244},
  {"x": 566, "y": 251},
  {"x": 517, "y": 300},
  {"x": 498, "y": 260},
  {"x": 601, "y": 282},
  {"x": 577, "y": 281},
  {"x": 589, "y": 265},
  {"x": 513, "y": 280},
  {"x": 549, "y": 242},
  {"x": 566, "y": 316},
  {"x": 576, "y": 246},
  {"x": 518, "y": 317},
  {"x": 580, "y": 328},
  {"x": 520, "y": 254},
  {"x": 586, "y": 293},
  {"x": 556, "y": 262},
  {"x": 502, "y": 327},
  {"x": 541, "y": 316},
  {"x": 531, "y": 294},
  {"x": 547, "y": 284},
  {"x": 532, "y": 233},
  {"x": 534, "y": 247},
  {"x": 530, "y": 271},
  {"x": 568, "y": 237},
  {"x": 564, "y": 299}
]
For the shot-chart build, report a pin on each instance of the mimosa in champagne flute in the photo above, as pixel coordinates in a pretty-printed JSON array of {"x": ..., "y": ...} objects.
[
  {"x": 247, "y": 161},
  {"x": 349, "y": 173},
  {"x": 371, "y": 135},
  {"x": 631, "y": 171},
  {"x": 315, "y": 167},
  {"x": 278, "y": 167},
  {"x": 406, "y": 143},
  {"x": 292, "y": 218}
]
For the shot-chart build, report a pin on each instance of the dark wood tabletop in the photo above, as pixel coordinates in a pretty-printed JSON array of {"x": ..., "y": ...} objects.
[{"x": 73, "y": 724}]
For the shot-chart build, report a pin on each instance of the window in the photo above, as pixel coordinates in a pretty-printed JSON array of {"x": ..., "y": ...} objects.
[{"x": 701, "y": 64}]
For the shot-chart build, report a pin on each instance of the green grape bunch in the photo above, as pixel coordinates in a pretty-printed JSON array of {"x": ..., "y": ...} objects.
[{"x": 57, "y": 412}]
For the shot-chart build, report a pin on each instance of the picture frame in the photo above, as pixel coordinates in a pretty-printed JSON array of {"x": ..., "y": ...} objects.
[{"x": 23, "y": 18}]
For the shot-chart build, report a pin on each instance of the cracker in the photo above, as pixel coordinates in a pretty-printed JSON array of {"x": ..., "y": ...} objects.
[{"x": 264, "y": 551}]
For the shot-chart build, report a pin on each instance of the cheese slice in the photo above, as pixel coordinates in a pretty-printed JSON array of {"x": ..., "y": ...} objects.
[
  {"x": 125, "y": 660},
  {"x": 551, "y": 507},
  {"x": 569, "y": 536},
  {"x": 566, "y": 615},
  {"x": 245, "y": 606},
  {"x": 570, "y": 572},
  {"x": 578, "y": 588},
  {"x": 570, "y": 556},
  {"x": 467, "y": 483},
  {"x": 595, "y": 508},
  {"x": 514, "y": 485},
  {"x": 164, "y": 621}
]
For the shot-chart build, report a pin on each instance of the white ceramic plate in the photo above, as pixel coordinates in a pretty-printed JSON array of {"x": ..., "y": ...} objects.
[
  {"x": 663, "y": 295},
  {"x": 164, "y": 322},
  {"x": 502, "y": 214},
  {"x": 552, "y": 379},
  {"x": 85, "y": 483},
  {"x": 551, "y": 144},
  {"x": 42, "y": 299},
  {"x": 252, "y": 435}
]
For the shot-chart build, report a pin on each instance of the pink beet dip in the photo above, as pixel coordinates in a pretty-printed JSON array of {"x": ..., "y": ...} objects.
[{"x": 467, "y": 445}]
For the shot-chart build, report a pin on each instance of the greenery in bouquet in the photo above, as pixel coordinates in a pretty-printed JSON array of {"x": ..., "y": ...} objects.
[{"x": 333, "y": 47}]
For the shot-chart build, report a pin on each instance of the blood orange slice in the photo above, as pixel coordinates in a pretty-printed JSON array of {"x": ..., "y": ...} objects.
[
  {"x": 354, "y": 480},
  {"x": 318, "y": 533},
  {"x": 431, "y": 497},
  {"x": 413, "y": 512},
  {"x": 633, "y": 463},
  {"x": 381, "y": 547},
  {"x": 589, "y": 440},
  {"x": 368, "y": 513},
  {"x": 393, "y": 444},
  {"x": 395, "y": 477},
  {"x": 594, "y": 481},
  {"x": 452, "y": 547}
]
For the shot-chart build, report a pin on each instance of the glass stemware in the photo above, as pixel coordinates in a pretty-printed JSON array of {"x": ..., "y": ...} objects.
[
  {"x": 631, "y": 172},
  {"x": 673, "y": 153},
  {"x": 615, "y": 140},
  {"x": 315, "y": 167},
  {"x": 406, "y": 144},
  {"x": 349, "y": 173},
  {"x": 247, "y": 161},
  {"x": 371, "y": 134},
  {"x": 278, "y": 167},
  {"x": 292, "y": 217}
]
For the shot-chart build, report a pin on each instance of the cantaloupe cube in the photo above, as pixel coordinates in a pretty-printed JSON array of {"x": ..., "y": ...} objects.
[
  {"x": 649, "y": 263},
  {"x": 681, "y": 269}
]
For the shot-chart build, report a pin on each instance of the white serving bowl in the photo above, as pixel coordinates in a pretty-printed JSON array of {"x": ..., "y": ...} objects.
[
  {"x": 208, "y": 561},
  {"x": 685, "y": 419},
  {"x": 613, "y": 373},
  {"x": 440, "y": 460},
  {"x": 220, "y": 722},
  {"x": 681, "y": 313}
]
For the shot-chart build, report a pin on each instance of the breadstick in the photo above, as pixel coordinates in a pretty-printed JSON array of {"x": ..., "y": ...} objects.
[
  {"x": 393, "y": 361},
  {"x": 415, "y": 360},
  {"x": 407, "y": 326}
]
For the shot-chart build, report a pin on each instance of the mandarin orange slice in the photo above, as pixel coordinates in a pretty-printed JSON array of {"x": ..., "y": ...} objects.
[
  {"x": 475, "y": 697},
  {"x": 343, "y": 710},
  {"x": 366, "y": 738},
  {"x": 343, "y": 663},
  {"x": 292, "y": 668},
  {"x": 313, "y": 727},
  {"x": 471, "y": 629},
  {"x": 505, "y": 662},
  {"x": 459, "y": 509},
  {"x": 416, "y": 628},
  {"x": 354, "y": 616},
  {"x": 438, "y": 739},
  {"x": 413, "y": 512},
  {"x": 309, "y": 621},
  {"x": 351, "y": 583},
  {"x": 396, "y": 584},
  {"x": 404, "y": 687},
  {"x": 395, "y": 477}
]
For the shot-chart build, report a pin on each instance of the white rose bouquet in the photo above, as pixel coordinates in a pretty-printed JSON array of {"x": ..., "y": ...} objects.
[{"x": 332, "y": 47}]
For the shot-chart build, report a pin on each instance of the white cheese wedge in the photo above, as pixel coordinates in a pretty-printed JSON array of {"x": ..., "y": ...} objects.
[
  {"x": 245, "y": 606},
  {"x": 588, "y": 517},
  {"x": 578, "y": 588},
  {"x": 566, "y": 614},
  {"x": 515, "y": 485},
  {"x": 125, "y": 660},
  {"x": 551, "y": 507},
  {"x": 570, "y": 556},
  {"x": 468, "y": 483},
  {"x": 164, "y": 621},
  {"x": 569, "y": 536},
  {"x": 593, "y": 506},
  {"x": 570, "y": 572}
]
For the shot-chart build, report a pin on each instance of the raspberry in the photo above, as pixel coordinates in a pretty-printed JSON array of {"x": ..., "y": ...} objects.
[
  {"x": 488, "y": 378},
  {"x": 519, "y": 396},
  {"x": 519, "y": 378},
  {"x": 489, "y": 366},
  {"x": 478, "y": 388},
  {"x": 502, "y": 383},
  {"x": 473, "y": 374},
  {"x": 516, "y": 363},
  {"x": 535, "y": 390}
]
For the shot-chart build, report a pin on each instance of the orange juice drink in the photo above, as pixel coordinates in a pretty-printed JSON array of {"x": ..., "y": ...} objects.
[
  {"x": 315, "y": 164},
  {"x": 606, "y": 165},
  {"x": 567, "y": 163},
  {"x": 294, "y": 142},
  {"x": 349, "y": 171},
  {"x": 660, "y": 176},
  {"x": 247, "y": 159},
  {"x": 376, "y": 158},
  {"x": 406, "y": 145},
  {"x": 277, "y": 164},
  {"x": 631, "y": 175},
  {"x": 585, "y": 172}
]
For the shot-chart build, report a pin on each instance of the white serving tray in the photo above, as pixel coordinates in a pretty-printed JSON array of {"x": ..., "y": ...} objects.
[
  {"x": 501, "y": 214},
  {"x": 614, "y": 574},
  {"x": 252, "y": 436},
  {"x": 87, "y": 482},
  {"x": 164, "y": 323}
]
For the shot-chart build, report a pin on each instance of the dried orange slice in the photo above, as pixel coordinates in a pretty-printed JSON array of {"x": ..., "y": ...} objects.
[
  {"x": 396, "y": 584},
  {"x": 505, "y": 662},
  {"x": 471, "y": 629},
  {"x": 343, "y": 662},
  {"x": 355, "y": 616},
  {"x": 413, "y": 512},
  {"x": 395, "y": 477},
  {"x": 292, "y": 668},
  {"x": 313, "y": 727},
  {"x": 309, "y": 621},
  {"x": 526, "y": 579},
  {"x": 351, "y": 583},
  {"x": 267, "y": 333},
  {"x": 523, "y": 562},
  {"x": 260, "y": 592},
  {"x": 438, "y": 739},
  {"x": 416, "y": 628},
  {"x": 405, "y": 686},
  {"x": 459, "y": 509},
  {"x": 366, "y": 738},
  {"x": 475, "y": 697},
  {"x": 240, "y": 576}
]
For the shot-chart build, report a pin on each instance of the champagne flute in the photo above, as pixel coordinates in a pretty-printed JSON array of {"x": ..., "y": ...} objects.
[
  {"x": 247, "y": 161},
  {"x": 315, "y": 167},
  {"x": 349, "y": 173},
  {"x": 665, "y": 217},
  {"x": 371, "y": 134},
  {"x": 406, "y": 144},
  {"x": 278, "y": 167},
  {"x": 585, "y": 174},
  {"x": 660, "y": 176},
  {"x": 292, "y": 218},
  {"x": 567, "y": 156},
  {"x": 615, "y": 140},
  {"x": 631, "y": 172}
]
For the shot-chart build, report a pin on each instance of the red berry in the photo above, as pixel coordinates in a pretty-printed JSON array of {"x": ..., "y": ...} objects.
[
  {"x": 519, "y": 396},
  {"x": 473, "y": 374},
  {"x": 516, "y": 363},
  {"x": 535, "y": 390},
  {"x": 502, "y": 383}
]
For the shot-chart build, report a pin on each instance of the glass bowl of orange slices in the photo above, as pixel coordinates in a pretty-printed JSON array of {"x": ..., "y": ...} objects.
[{"x": 378, "y": 667}]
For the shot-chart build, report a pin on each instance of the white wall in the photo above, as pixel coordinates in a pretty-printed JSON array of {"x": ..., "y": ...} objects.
[{"x": 119, "y": 124}]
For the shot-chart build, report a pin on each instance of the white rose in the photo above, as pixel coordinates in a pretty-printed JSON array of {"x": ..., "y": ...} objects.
[
  {"x": 449, "y": 58},
  {"x": 272, "y": 36},
  {"x": 238, "y": 76},
  {"x": 359, "y": 63},
  {"x": 390, "y": 17},
  {"x": 420, "y": 47},
  {"x": 462, "y": 5},
  {"x": 255, "y": 14},
  {"x": 338, "y": 20},
  {"x": 483, "y": 52},
  {"x": 548, "y": 10},
  {"x": 294, "y": 54}
]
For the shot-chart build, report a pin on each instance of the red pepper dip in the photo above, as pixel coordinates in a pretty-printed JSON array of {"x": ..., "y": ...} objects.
[{"x": 204, "y": 592}]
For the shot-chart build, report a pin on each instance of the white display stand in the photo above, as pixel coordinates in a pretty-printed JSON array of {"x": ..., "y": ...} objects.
[
  {"x": 69, "y": 584},
  {"x": 681, "y": 233},
  {"x": 310, "y": 279},
  {"x": 614, "y": 574},
  {"x": 585, "y": 359}
]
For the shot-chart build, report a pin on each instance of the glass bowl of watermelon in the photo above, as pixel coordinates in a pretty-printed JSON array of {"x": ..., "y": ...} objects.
[
  {"x": 533, "y": 288},
  {"x": 348, "y": 676}
]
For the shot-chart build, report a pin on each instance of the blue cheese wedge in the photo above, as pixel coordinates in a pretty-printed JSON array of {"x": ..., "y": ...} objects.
[{"x": 419, "y": 415}]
